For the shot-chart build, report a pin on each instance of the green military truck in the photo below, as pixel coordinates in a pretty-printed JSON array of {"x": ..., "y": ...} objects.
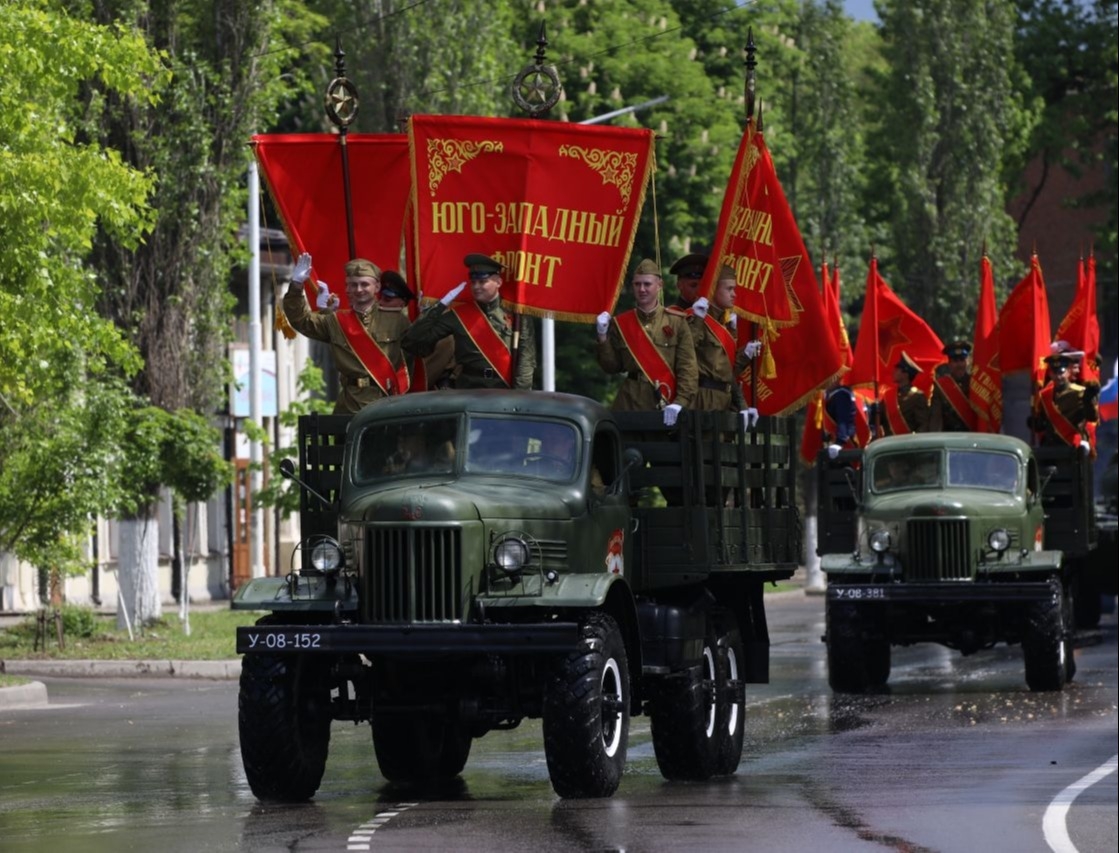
[
  {"x": 473, "y": 559},
  {"x": 952, "y": 538}
]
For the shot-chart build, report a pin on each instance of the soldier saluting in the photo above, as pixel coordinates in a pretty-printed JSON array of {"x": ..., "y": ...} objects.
[{"x": 950, "y": 409}]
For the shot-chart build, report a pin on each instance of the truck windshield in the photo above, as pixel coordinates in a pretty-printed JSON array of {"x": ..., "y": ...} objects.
[
  {"x": 983, "y": 470},
  {"x": 406, "y": 448},
  {"x": 523, "y": 447},
  {"x": 914, "y": 470}
]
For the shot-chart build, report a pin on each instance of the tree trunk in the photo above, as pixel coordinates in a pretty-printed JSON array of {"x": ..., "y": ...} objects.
[{"x": 138, "y": 572}]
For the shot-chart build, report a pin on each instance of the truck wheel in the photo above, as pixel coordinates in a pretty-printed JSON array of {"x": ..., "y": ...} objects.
[
  {"x": 421, "y": 748},
  {"x": 586, "y": 713},
  {"x": 1086, "y": 606},
  {"x": 731, "y": 699},
  {"x": 683, "y": 715},
  {"x": 876, "y": 659},
  {"x": 1046, "y": 648},
  {"x": 283, "y": 716},
  {"x": 846, "y": 670}
]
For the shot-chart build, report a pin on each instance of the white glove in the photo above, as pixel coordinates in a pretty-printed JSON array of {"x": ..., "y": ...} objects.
[
  {"x": 453, "y": 293},
  {"x": 833, "y": 450},
  {"x": 671, "y": 411},
  {"x": 699, "y": 307},
  {"x": 1085, "y": 447},
  {"x": 325, "y": 301},
  {"x": 302, "y": 268},
  {"x": 752, "y": 349},
  {"x": 732, "y": 323},
  {"x": 749, "y": 417},
  {"x": 602, "y": 323}
]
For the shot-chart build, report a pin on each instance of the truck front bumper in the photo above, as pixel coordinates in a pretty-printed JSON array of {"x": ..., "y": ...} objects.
[
  {"x": 941, "y": 593},
  {"x": 456, "y": 639}
]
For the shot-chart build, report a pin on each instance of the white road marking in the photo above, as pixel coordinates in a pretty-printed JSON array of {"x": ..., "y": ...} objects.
[
  {"x": 361, "y": 838},
  {"x": 1053, "y": 824}
]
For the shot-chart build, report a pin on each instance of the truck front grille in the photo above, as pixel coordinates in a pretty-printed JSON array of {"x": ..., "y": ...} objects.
[
  {"x": 414, "y": 574},
  {"x": 938, "y": 550}
]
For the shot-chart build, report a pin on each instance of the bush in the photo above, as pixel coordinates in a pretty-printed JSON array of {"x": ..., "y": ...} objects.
[{"x": 78, "y": 621}]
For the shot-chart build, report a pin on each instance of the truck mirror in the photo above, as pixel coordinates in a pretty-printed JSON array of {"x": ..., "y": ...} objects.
[
  {"x": 287, "y": 469},
  {"x": 852, "y": 477},
  {"x": 631, "y": 458}
]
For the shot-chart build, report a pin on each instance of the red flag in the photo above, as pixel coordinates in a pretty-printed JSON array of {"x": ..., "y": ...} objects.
[
  {"x": 303, "y": 172},
  {"x": 751, "y": 237},
  {"x": 1081, "y": 325},
  {"x": 556, "y": 203},
  {"x": 1024, "y": 325},
  {"x": 985, "y": 390},
  {"x": 898, "y": 330},
  {"x": 802, "y": 354},
  {"x": 836, "y": 313}
]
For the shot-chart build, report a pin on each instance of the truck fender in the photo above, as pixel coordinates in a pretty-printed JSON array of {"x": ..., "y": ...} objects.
[{"x": 306, "y": 594}]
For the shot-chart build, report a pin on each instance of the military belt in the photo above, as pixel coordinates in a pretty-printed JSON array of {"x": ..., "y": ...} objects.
[
  {"x": 357, "y": 381},
  {"x": 714, "y": 385}
]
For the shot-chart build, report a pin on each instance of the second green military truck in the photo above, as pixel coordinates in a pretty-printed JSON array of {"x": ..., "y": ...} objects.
[
  {"x": 473, "y": 559},
  {"x": 961, "y": 539}
]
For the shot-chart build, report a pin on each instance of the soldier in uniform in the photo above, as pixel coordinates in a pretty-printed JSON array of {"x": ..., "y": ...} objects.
[
  {"x": 364, "y": 339},
  {"x": 1063, "y": 409},
  {"x": 950, "y": 410},
  {"x": 483, "y": 332},
  {"x": 688, "y": 271},
  {"x": 653, "y": 347},
  {"x": 903, "y": 409}
]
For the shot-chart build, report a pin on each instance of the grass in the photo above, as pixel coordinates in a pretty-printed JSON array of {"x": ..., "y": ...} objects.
[
  {"x": 13, "y": 680},
  {"x": 93, "y": 637}
]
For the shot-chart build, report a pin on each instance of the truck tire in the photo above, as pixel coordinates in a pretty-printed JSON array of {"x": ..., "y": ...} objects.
[
  {"x": 586, "y": 713},
  {"x": 283, "y": 717},
  {"x": 731, "y": 698},
  {"x": 876, "y": 659},
  {"x": 684, "y": 717},
  {"x": 847, "y": 670},
  {"x": 420, "y": 748},
  {"x": 1047, "y": 646},
  {"x": 1086, "y": 604}
]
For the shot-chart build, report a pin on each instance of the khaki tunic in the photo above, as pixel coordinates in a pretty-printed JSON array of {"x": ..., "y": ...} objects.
[
  {"x": 914, "y": 408},
  {"x": 673, "y": 339},
  {"x": 942, "y": 414},
  {"x": 714, "y": 368},
  {"x": 472, "y": 369},
  {"x": 386, "y": 326},
  {"x": 1070, "y": 403}
]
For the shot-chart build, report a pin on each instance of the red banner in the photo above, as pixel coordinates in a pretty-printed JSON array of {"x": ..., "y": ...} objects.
[
  {"x": 1081, "y": 326},
  {"x": 762, "y": 243},
  {"x": 835, "y": 313},
  {"x": 303, "y": 173},
  {"x": 899, "y": 330},
  {"x": 556, "y": 203},
  {"x": 985, "y": 388},
  {"x": 757, "y": 237},
  {"x": 1024, "y": 326}
]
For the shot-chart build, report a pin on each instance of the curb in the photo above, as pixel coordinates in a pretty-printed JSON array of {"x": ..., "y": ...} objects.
[
  {"x": 214, "y": 670},
  {"x": 33, "y": 695}
]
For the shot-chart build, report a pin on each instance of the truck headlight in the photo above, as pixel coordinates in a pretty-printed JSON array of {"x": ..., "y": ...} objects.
[
  {"x": 326, "y": 555},
  {"x": 999, "y": 539},
  {"x": 511, "y": 554},
  {"x": 880, "y": 541}
]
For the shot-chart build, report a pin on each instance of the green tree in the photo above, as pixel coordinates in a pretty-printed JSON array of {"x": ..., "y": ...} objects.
[
  {"x": 951, "y": 117},
  {"x": 60, "y": 410}
]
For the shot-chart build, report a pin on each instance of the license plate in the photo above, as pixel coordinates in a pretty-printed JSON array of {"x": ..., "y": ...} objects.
[
  {"x": 859, "y": 593},
  {"x": 278, "y": 640}
]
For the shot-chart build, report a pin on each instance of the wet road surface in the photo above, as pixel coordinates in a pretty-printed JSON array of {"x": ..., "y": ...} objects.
[{"x": 955, "y": 755}]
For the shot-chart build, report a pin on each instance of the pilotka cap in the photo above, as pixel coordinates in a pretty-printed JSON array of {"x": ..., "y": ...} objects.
[
  {"x": 648, "y": 267},
  {"x": 361, "y": 268}
]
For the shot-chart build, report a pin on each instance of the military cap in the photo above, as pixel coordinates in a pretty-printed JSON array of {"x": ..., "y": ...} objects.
[
  {"x": 648, "y": 267},
  {"x": 482, "y": 263},
  {"x": 690, "y": 266},
  {"x": 361, "y": 268},
  {"x": 957, "y": 349},
  {"x": 908, "y": 364},
  {"x": 1065, "y": 348},
  {"x": 394, "y": 286},
  {"x": 1059, "y": 361}
]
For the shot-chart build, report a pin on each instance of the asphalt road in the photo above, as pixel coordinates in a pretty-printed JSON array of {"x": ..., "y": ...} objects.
[{"x": 956, "y": 756}]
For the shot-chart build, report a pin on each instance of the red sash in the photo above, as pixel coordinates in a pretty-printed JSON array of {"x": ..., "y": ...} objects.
[
  {"x": 1064, "y": 428},
  {"x": 647, "y": 356},
  {"x": 722, "y": 335},
  {"x": 486, "y": 339},
  {"x": 958, "y": 400},
  {"x": 892, "y": 408},
  {"x": 370, "y": 354}
]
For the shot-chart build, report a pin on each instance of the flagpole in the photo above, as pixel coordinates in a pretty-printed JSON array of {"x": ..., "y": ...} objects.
[
  {"x": 750, "y": 95},
  {"x": 341, "y": 108}
]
